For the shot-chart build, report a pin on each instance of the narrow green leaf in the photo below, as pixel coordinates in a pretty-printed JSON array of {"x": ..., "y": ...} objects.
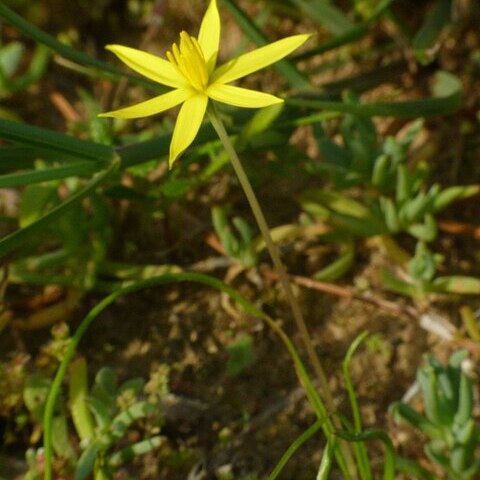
[
  {"x": 79, "y": 169},
  {"x": 458, "y": 284},
  {"x": 135, "y": 450},
  {"x": 428, "y": 34},
  {"x": 375, "y": 434},
  {"x": 359, "y": 448},
  {"x": 449, "y": 195},
  {"x": 86, "y": 462},
  {"x": 447, "y": 99},
  {"x": 327, "y": 460},
  {"x": 49, "y": 140},
  {"x": 18, "y": 157},
  {"x": 123, "y": 420},
  {"x": 78, "y": 393},
  {"x": 297, "y": 443},
  {"x": 338, "y": 267}
]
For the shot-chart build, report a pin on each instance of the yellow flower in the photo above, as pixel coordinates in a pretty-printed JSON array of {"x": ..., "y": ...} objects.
[{"x": 190, "y": 69}]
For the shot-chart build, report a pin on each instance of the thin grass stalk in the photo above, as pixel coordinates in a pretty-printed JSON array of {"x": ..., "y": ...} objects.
[
  {"x": 273, "y": 251},
  {"x": 280, "y": 268}
]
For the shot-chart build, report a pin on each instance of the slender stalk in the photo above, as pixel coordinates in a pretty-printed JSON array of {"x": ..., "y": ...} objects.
[
  {"x": 274, "y": 254},
  {"x": 219, "y": 127}
]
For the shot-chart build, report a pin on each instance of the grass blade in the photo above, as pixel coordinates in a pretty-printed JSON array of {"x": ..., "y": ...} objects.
[
  {"x": 26, "y": 178},
  {"x": 375, "y": 434},
  {"x": 297, "y": 443},
  {"x": 429, "y": 32},
  {"x": 359, "y": 447},
  {"x": 49, "y": 140},
  {"x": 447, "y": 99},
  {"x": 326, "y": 463}
]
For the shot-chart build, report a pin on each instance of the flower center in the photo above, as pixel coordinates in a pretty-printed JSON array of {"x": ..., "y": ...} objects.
[{"x": 189, "y": 61}]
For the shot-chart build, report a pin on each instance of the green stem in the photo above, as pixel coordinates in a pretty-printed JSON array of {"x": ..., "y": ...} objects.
[
  {"x": 274, "y": 253},
  {"x": 283, "y": 277}
]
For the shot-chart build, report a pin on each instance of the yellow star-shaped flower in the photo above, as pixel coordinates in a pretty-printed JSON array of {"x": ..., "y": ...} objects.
[{"x": 190, "y": 69}]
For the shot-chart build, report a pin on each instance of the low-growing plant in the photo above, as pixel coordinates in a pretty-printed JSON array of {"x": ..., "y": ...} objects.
[
  {"x": 448, "y": 419},
  {"x": 68, "y": 183},
  {"x": 102, "y": 417},
  {"x": 377, "y": 191},
  {"x": 237, "y": 243},
  {"x": 421, "y": 278}
]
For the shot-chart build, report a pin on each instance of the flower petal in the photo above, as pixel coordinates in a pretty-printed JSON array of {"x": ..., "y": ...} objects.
[
  {"x": 148, "y": 65},
  {"x": 209, "y": 35},
  {"x": 188, "y": 123},
  {"x": 152, "y": 106},
  {"x": 241, "y": 97},
  {"x": 257, "y": 59}
]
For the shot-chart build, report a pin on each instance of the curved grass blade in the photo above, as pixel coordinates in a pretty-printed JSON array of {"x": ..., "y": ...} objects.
[
  {"x": 48, "y": 140},
  {"x": 297, "y": 443},
  {"x": 447, "y": 99},
  {"x": 284, "y": 67},
  {"x": 359, "y": 447},
  {"x": 13, "y": 241},
  {"x": 375, "y": 434},
  {"x": 246, "y": 306}
]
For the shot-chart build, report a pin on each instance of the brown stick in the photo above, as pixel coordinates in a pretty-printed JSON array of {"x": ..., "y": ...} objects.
[{"x": 344, "y": 292}]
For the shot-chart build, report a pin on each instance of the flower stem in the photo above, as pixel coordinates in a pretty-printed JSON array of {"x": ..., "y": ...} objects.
[{"x": 274, "y": 254}]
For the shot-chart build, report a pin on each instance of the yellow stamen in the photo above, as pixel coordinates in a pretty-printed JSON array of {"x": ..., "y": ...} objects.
[{"x": 189, "y": 61}]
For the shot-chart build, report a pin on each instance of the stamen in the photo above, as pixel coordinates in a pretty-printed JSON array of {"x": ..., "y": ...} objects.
[{"x": 189, "y": 61}]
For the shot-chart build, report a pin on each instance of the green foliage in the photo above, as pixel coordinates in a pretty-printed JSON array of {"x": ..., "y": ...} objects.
[
  {"x": 422, "y": 278},
  {"x": 237, "y": 245},
  {"x": 353, "y": 433},
  {"x": 448, "y": 419},
  {"x": 102, "y": 417},
  {"x": 394, "y": 197},
  {"x": 69, "y": 185}
]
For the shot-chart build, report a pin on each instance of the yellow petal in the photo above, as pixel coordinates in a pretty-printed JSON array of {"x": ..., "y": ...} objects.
[
  {"x": 152, "y": 106},
  {"x": 209, "y": 35},
  {"x": 188, "y": 123},
  {"x": 148, "y": 65},
  {"x": 257, "y": 59},
  {"x": 241, "y": 97}
]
